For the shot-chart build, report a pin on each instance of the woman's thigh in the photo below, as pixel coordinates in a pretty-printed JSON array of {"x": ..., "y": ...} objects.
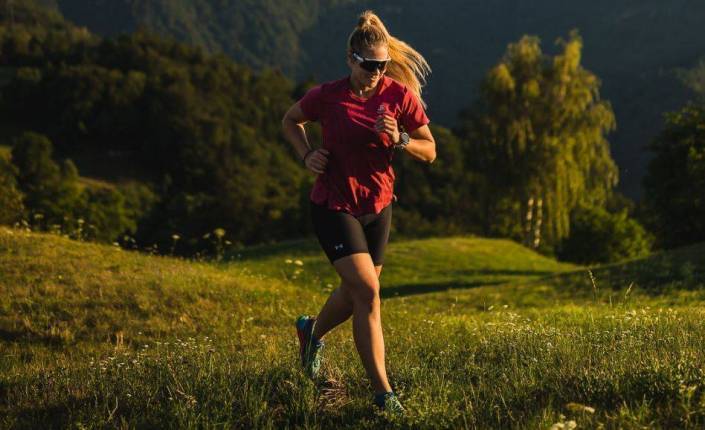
[
  {"x": 359, "y": 276},
  {"x": 377, "y": 228},
  {"x": 340, "y": 234}
]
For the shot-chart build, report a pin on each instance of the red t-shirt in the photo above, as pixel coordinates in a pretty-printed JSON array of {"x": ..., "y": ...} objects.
[{"x": 359, "y": 178}]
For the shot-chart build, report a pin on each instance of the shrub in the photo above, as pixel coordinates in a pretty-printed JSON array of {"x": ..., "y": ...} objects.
[
  {"x": 598, "y": 236},
  {"x": 11, "y": 207}
]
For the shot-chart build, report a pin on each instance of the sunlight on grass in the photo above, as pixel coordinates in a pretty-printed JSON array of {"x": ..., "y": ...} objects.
[{"x": 95, "y": 336}]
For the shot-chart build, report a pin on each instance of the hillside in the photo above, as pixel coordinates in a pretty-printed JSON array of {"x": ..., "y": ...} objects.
[
  {"x": 94, "y": 336},
  {"x": 635, "y": 48}
]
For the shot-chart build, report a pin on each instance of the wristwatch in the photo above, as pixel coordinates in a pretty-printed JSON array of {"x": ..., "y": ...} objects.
[{"x": 403, "y": 140}]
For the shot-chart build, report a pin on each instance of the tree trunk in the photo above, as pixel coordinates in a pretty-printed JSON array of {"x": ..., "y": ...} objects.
[
  {"x": 528, "y": 221},
  {"x": 537, "y": 224}
]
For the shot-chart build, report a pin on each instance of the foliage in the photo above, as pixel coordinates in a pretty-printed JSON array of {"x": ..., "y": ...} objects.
[
  {"x": 624, "y": 45},
  {"x": 55, "y": 201},
  {"x": 11, "y": 208},
  {"x": 675, "y": 182},
  {"x": 598, "y": 236},
  {"x": 437, "y": 199},
  {"x": 203, "y": 131},
  {"x": 103, "y": 211},
  {"x": 50, "y": 190},
  {"x": 538, "y": 134}
]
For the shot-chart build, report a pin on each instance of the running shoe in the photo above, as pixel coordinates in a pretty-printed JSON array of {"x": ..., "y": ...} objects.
[
  {"x": 391, "y": 404},
  {"x": 309, "y": 349}
]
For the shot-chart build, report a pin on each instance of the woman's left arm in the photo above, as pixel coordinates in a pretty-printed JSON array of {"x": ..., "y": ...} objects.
[{"x": 421, "y": 145}]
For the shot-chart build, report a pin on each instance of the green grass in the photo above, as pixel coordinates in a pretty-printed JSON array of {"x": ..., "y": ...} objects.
[
  {"x": 479, "y": 334},
  {"x": 416, "y": 266}
]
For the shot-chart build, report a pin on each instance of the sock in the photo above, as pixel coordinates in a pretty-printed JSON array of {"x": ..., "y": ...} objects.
[{"x": 379, "y": 398}]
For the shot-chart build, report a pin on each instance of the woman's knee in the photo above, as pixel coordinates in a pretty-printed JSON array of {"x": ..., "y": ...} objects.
[{"x": 363, "y": 293}]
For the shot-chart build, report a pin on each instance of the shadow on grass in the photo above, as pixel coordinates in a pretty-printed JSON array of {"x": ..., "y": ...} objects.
[
  {"x": 25, "y": 337},
  {"x": 413, "y": 289},
  {"x": 682, "y": 268},
  {"x": 500, "y": 272}
]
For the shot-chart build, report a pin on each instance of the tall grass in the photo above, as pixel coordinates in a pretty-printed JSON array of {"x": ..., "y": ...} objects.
[{"x": 93, "y": 337}]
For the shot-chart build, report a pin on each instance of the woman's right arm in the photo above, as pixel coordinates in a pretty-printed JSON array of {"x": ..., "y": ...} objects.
[{"x": 295, "y": 133}]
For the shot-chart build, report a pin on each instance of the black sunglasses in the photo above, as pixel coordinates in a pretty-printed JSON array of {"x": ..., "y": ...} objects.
[{"x": 369, "y": 64}]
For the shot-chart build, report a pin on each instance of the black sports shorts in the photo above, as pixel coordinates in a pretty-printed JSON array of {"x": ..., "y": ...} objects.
[{"x": 341, "y": 234}]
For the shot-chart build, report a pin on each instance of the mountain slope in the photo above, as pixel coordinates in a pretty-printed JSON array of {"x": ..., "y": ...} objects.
[{"x": 634, "y": 47}]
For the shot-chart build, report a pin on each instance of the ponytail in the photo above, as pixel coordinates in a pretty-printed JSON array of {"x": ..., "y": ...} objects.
[{"x": 407, "y": 65}]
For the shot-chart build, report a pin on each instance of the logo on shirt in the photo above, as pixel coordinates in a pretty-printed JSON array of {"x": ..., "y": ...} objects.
[{"x": 338, "y": 247}]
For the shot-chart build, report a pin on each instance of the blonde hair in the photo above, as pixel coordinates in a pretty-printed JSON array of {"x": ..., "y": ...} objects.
[{"x": 407, "y": 65}]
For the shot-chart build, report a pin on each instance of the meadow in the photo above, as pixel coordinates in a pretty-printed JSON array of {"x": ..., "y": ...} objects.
[{"x": 480, "y": 333}]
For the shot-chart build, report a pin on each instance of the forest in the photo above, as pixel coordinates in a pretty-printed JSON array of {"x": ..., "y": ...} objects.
[{"x": 143, "y": 141}]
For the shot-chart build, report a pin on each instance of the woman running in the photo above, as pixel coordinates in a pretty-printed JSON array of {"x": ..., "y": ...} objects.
[{"x": 365, "y": 118}]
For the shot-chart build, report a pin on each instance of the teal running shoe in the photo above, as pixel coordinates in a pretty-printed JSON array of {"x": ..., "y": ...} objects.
[
  {"x": 390, "y": 404},
  {"x": 310, "y": 349}
]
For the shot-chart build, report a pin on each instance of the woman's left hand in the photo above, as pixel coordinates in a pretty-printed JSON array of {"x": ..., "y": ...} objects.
[{"x": 388, "y": 124}]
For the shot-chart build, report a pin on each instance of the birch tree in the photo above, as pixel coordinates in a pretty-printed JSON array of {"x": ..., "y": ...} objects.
[{"x": 539, "y": 133}]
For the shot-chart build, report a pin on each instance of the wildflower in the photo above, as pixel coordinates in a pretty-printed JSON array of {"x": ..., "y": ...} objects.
[
  {"x": 175, "y": 237},
  {"x": 577, "y": 407},
  {"x": 299, "y": 263},
  {"x": 219, "y": 232},
  {"x": 288, "y": 261}
]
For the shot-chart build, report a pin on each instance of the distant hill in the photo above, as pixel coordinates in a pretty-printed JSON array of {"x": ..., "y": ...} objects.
[{"x": 634, "y": 47}]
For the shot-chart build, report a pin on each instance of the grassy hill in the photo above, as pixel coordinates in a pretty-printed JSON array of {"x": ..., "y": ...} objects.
[{"x": 94, "y": 336}]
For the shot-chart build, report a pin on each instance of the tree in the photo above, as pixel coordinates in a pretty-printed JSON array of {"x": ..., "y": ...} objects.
[
  {"x": 104, "y": 214},
  {"x": 597, "y": 236},
  {"x": 675, "y": 182},
  {"x": 11, "y": 207},
  {"x": 538, "y": 133},
  {"x": 439, "y": 199},
  {"x": 50, "y": 189}
]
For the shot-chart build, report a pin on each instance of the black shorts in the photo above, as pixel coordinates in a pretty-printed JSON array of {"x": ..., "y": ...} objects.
[{"x": 341, "y": 234}]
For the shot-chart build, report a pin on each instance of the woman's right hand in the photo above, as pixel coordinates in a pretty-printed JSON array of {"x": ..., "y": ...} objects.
[{"x": 317, "y": 160}]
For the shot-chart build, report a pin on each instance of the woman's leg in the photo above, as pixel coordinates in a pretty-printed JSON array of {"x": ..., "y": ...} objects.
[
  {"x": 337, "y": 310},
  {"x": 360, "y": 281}
]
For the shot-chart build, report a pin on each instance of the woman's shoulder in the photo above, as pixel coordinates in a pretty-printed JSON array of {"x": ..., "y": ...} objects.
[
  {"x": 393, "y": 86},
  {"x": 333, "y": 86}
]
